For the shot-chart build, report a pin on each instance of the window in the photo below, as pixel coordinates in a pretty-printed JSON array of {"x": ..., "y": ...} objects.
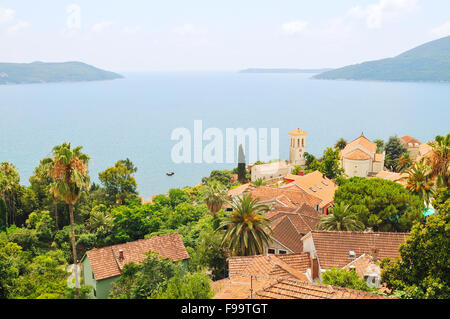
[
  {"x": 303, "y": 142},
  {"x": 318, "y": 186},
  {"x": 282, "y": 252},
  {"x": 271, "y": 251},
  {"x": 95, "y": 293},
  {"x": 313, "y": 190},
  {"x": 93, "y": 276},
  {"x": 324, "y": 183}
]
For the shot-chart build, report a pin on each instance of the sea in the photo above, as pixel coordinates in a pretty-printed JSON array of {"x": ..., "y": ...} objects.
[{"x": 135, "y": 117}]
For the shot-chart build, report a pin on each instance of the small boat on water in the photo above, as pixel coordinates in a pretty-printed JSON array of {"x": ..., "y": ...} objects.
[{"x": 170, "y": 173}]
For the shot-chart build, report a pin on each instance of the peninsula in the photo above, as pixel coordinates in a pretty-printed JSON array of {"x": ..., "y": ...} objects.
[{"x": 40, "y": 72}]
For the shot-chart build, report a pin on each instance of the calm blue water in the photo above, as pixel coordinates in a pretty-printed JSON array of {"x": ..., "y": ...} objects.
[{"x": 134, "y": 117}]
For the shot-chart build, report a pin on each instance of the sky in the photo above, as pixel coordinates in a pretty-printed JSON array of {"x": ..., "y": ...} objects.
[{"x": 147, "y": 35}]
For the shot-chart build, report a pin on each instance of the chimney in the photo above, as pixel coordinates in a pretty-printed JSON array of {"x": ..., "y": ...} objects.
[
  {"x": 121, "y": 255},
  {"x": 314, "y": 267},
  {"x": 375, "y": 254},
  {"x": 300, "y": 173},
  {"x": 351, "y": 254}
]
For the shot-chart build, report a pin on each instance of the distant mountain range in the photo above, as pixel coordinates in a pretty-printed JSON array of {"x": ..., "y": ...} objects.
[
  {"x": 284, "y": 70},
  {"x": 428, "y": 62},
  {"x": 40, "y": 72}
]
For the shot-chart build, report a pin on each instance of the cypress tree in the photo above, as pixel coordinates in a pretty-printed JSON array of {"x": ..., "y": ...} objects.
[{"x": 241, "y": 166}]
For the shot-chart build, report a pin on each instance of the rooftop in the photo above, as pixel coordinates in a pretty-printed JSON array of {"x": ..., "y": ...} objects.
[
  {"x": 287, "y": 197},
  {"x": 333, "y": 247},
  {"x": 315, "y": 184},
  {"x": 361, "y": 141},
  {"x": 106, "y": 262},
  {"x": 297, "y": 132}
]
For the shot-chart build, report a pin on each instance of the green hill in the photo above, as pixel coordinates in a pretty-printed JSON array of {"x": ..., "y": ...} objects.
[
  {"x": 428, "y": 62},
  {"x": 40, "y": 72}
]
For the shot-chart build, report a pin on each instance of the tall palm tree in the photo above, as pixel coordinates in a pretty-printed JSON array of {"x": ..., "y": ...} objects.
[
  {"x": 214, "y": 195},
  {"x": 341, "y": 144},
  {"x": 340, "y": 219},
  {"x": 247, "y": 229},
  {"x": 440, "y": 159},
  {"x": 9, "y": 183},
  {"x": 420, "y": 182},
  {"x": 70, "y": 177}
]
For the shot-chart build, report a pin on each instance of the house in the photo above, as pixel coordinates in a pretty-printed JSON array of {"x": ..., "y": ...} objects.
[
  {"x": 289, "y": 226},
  {"x": 400, "y": 178},
  {"x": 360, "y": 158},
  {"x": 341, "y": 249},
  {"x": 425, "y": 150},
  {"x": 412, "y": 145},
  {"x": 297, "y": 147},
  {"x": 270, "y": 171},
  {"x": 283, "y": 197},
  {"x": 315, "y": 184},
  {"x": 101, "y": 267}
]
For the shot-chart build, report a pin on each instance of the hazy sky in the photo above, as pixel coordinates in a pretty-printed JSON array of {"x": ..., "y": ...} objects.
[{"x": 216, "y": 35}]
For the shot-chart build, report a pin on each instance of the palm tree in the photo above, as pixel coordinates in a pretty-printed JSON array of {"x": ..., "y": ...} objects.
[
  {"x": 420, "y": 182},
  {"x": 247, "y": 229},
  {"x": 70, "y": 177},
  {"x": 341, "y": 144},
  {"x": 214, "y": 195},
  {"x": 258, "y": 182},
  {"x": 440, "y": 159},
  {"x": 9, "y": 183},
  {"x": 404, "y": 162},
  {"x": 340, "y": 218}
]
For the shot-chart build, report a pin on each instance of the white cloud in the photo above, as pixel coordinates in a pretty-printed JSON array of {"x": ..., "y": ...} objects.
[
  {"x": 294, "y": 27},
  {"x": 101, "y": 26},
  {"x": 375, "y": 14},
  {"x": 6, "y": 15},
  {"x": 19, "y": 26},
  {"x": 441, "y": 31}
]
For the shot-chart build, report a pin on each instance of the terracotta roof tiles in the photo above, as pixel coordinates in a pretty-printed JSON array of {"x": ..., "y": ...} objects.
[
  {"x": 105, "y": 262},
  {"x": 332, "y": 247}
]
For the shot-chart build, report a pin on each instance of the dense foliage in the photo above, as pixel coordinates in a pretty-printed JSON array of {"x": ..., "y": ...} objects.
[
  {"x": 344, "y": 278},
  {"x": 380, "y": 204},
  {"x": 424, "y": 268}
]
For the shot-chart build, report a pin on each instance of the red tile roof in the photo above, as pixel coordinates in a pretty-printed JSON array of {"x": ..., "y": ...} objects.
[
  {"x": 291, "y": 197},
  {"x": 294, "y": 289},
  {"x": 105, "y": 261},
  {"x": 283, "y": 288},
  {"x": 270, "y": 265},
  {"x": 361, "y": 141},
  {"x": 290, "y": 226},
  {"x": 408, "y": 139},
  {"x": 357, "y": 155},
  {"x": 332, "y": 247}
]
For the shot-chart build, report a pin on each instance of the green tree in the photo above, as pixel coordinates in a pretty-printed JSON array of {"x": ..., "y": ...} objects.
[
  {"x": 394, "y": 150},
  {"x": 440, "y": 160},
  {"x": 404, "y": 162},
  {"x": 214, "y": 195},
  {"x": 297, "y": 169},
  {"x": 344, "y": 278},
  {"x": 42, "y": 223},
  {"x": 3, "y": 216},
  {"x": 222, "y": 176},
  {"x": 70, "y": 175},
  {"x": 11, "y": 257},
  {"x": 119, "y": 181},
  {"x": 419, "y": 181},
  {"x": 380, "y": 145},
  {"x": 340, "y": 144},
  {"x": 424, "y": 270},
  {"x": 340, "y": 218},
  {"x": 9, "y": 188},
  {"x": 380, "y": 204},
  {"x": 189, "y": 286},
  {"x": 330, "y": 164},
  {"x": 144, "y": 280},
  {"x": 247, "y": 230}
]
